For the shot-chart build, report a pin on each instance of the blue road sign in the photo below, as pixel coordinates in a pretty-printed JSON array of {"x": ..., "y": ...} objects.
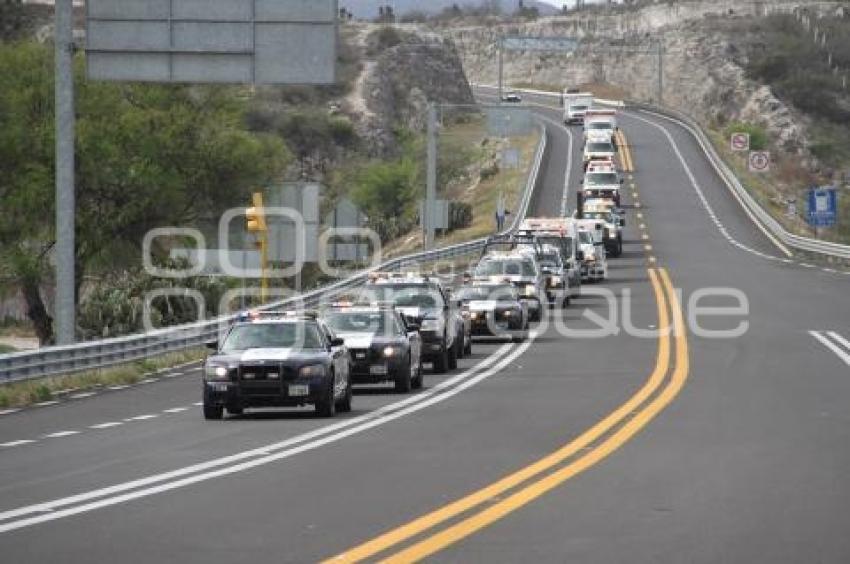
[{"x": 822, "y": 207}]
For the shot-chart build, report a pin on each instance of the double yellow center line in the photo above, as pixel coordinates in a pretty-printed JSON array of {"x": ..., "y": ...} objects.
[
  {"x": 485, "y": 506},
  {"x": 626, "y": 162}
]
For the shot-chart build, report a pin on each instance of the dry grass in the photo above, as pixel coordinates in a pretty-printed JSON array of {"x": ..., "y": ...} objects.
[
  {"x": 482, "y": 194},
  {"x": 22, "y": 394}
]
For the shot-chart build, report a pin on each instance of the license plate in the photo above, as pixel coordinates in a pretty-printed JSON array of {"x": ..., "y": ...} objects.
[
  {"x": 378, "y": 370},
  {"x": 299, "y": 390},
  {"x": 360, "y": 356},
  {"x": 219, "y": 387}
]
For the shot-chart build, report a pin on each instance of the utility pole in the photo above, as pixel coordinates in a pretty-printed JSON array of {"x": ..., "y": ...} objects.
[
  {"x": 65, "y": 312},
  {"x": 501, "y": 65},
  {"x": 431, "y": 186},
  {"x": 660, "y": 73}
]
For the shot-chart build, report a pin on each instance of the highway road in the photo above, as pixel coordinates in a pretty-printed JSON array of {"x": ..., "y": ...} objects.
[{"x": 638, "y": 446}]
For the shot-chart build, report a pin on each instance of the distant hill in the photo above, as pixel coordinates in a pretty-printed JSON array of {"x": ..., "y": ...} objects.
[{"x": 368, "y": 9}]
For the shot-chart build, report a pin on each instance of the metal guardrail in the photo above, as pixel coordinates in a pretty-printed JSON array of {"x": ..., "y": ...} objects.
[
  {"x": 750, "y": 204},
  {"x": 55, "y": 361}
]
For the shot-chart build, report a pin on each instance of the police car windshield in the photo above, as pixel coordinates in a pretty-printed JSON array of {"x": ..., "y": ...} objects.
[
  {"x": 550, "y": 259},
  {"x": 602, "y": 178},
  {"x": 372, "y": 322},
  {"x": 508, "y": 267},
  {"x": 286, "y": 335},
  {"x": 408, "y": 295},
  {"x": 600, "y": 147},
  {"x": 500, "y": 293},
  {"x": 578, "y": 108}
]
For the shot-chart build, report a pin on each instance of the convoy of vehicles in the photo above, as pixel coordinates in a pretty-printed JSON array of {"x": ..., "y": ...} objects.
[{"x": 397, "y": 321}]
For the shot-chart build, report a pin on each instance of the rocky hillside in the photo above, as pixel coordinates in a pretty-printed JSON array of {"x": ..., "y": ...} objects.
[
  {"x": 402, "y": 71},
  {"x": 701, "y": 73}
]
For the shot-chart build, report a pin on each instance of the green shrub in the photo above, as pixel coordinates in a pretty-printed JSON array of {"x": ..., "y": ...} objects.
[{"x": 460, "y": 215}]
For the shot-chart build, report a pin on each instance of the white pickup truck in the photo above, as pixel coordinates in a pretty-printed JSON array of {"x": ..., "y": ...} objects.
[
  {"x": 600, "y": 125},
  {"x": 576, "y": 105}
]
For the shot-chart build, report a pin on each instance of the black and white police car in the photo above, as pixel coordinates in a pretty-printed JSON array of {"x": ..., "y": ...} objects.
[
  {"x": 495, "y": 309},
  {"x": 384, "y": 347},
  {"x": 424, "y": 301},
  {"x": 277, "y": 359}
]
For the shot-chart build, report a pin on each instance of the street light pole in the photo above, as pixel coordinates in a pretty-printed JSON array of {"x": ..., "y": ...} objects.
[{"x": 65, "y": 301}]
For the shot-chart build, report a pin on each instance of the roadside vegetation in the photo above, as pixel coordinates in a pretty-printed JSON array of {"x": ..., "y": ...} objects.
[
  {"x": 30, "y": 392},
  {"x": 812, "y": 77}
]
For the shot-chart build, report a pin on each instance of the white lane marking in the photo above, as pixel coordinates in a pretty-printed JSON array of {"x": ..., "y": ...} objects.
[
  {"x": 198, "y": 403},
  {"x": 60, "y": 434},
  {"x": 142, "y": 417},
  {"x": 83, "y": 395},
  {"x": 46, "y": 403},
  {"x": 442, "y": 391},
  {"x": 9, "y": 411},
  {"x": 175, "y": 410},
  {"x": 843, "y": 355},
  {"x": 147, "y": 381},
  {"x": 174, "y": 375},
  {"x": 17, "y": 443},
  {"x": 116, "y": 388},
  {"x": 106, "y": 425}
]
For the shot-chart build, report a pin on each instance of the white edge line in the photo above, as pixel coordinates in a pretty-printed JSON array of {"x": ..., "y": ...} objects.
[
  {"x": 156, "y": 478},
  {"x": 832, "y": 346},
  {"x": 54, "y": 515}
]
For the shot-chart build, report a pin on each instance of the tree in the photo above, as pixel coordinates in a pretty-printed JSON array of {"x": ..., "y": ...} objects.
[
  {"x": 387, "y": 193},
  {"x": 147, "y": 156}
]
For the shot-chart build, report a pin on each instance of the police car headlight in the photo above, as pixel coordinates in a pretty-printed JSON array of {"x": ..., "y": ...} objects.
[
  {"x": 389, "y": 351},
  {"x": 530, "y": 290},
  {"x": 312, "y": 370},
  {"x": 556, "y": 280},
  {"x": 508, "y": 313},
  {"x": 430, "y": 325},
  {"x": 216, "y": 372}
]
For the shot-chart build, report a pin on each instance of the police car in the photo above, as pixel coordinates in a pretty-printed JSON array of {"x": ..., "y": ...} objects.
[
  {"x": 425, "y": 302},
  {"x": 383, "y": 346},
  {"x": 495, "y": 309},
  {"x": 277, "y": 359},
  {"x": 520, "y": 268}
]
